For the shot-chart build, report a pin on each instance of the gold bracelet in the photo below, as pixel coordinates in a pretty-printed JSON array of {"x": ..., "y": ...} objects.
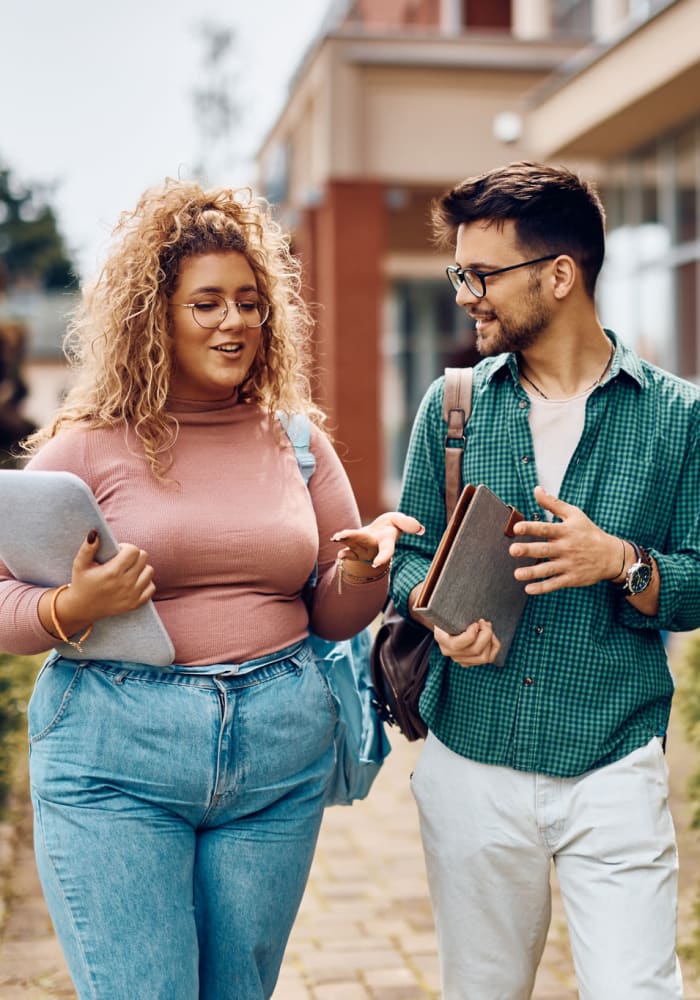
[
  {"x": 343, "y": 574},
  {"x": 57, "y": 625}
]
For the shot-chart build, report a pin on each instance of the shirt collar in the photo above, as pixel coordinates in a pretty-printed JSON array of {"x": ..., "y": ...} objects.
[{"x": 624, "y": 360}]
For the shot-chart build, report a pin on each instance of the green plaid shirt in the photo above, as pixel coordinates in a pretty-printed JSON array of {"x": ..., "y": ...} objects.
[{"x": 586, "y": 680}]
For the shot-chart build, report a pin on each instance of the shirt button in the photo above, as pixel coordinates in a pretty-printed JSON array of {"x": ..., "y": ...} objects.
[
  {"x": 539, "y": 629},
  {"x": 522, "y": 404},
  {"x": 529, "y": 681},
  {"x": 525, "y": 459},
  {"x": 536, "y": 516}
]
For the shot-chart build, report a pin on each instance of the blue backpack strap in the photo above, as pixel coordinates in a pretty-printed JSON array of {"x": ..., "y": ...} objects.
[
  {"x": 360, "y": 741},
  {"x": 298, "y": 429}
]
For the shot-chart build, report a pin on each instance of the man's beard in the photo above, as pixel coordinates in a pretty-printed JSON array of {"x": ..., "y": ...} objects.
[{"x": 522, "y": 332}]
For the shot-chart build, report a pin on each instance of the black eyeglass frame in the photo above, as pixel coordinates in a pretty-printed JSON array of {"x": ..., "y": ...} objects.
[{"x": 457, "y": 276}]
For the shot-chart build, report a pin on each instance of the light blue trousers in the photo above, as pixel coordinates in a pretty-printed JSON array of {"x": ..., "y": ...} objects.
[{"x": 176, "y": 816}]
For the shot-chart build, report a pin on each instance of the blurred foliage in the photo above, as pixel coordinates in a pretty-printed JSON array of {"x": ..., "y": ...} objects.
[
  {"x": 688, "y": 701},
  {"x": 17, "y": 675},
  {"x": 32, "y": 250},
  {"x": 13, "y": 424}
]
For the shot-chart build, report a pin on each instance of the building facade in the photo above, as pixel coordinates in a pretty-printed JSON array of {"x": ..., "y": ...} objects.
[
  {"x": 42, "y": 315},
  {"x": 396, "y": 100}
]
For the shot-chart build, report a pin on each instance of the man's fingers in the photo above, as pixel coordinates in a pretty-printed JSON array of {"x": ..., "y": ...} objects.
[
  {"x": 558, "y": 507},
  {"x": 476, "y": 645},
  {"x": 532, "y": 550}
]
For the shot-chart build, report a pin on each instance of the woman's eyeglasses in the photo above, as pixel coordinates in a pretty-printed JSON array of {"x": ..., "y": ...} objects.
[{"x": 211, "y": 310}]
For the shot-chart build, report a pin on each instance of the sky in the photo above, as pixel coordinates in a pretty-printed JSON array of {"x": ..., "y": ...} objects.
[{"x": 96, "y": 97}]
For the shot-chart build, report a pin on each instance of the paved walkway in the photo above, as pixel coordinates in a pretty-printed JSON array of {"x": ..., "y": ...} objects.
[{"x": 365, "y": 929}]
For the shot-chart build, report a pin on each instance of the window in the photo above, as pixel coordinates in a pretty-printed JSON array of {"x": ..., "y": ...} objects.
[
  {"x": 424, "y": 332},
  {"x": 486, "y": 15},
  {"x": 649, "y": 288},
  {"x": 572, "y": 17}
]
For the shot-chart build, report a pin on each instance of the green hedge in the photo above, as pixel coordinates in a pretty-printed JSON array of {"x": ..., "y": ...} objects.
[
  {"x": 17, "y": 674},
  {"x": 687, "y": 700}
]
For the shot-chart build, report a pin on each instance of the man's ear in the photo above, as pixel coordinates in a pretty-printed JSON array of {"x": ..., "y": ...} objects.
[{"x": 564, "y": 275}]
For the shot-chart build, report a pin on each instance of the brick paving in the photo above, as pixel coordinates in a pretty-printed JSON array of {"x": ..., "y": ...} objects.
[{"x": 365, "y": 929}]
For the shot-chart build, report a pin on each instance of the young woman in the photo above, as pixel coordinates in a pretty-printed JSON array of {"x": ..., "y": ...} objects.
[{"x": 176, "y": 810}]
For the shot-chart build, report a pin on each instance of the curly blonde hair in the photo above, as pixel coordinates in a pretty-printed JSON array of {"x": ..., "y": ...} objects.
[{"x": 119, "y": 340}]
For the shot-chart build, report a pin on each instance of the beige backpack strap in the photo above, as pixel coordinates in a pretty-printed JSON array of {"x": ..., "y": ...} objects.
[{"x": 456, "y": 410}]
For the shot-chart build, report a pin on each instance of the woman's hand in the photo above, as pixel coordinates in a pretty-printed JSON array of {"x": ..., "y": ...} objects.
[
  {"x": 375, "y": 543},
  {"x": 477, "y": 644},
  {"x": 121, "y": 584},
  {"x": 99, "y": 590}
]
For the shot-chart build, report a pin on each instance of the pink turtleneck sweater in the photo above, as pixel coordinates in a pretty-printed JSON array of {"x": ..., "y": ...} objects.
[{"x": 232, "y": 534}]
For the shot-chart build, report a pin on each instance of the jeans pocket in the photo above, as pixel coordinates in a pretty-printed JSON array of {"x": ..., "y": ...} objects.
[
  {"x": 53, "y": 691},
  {"x": 317, "y": 672}
]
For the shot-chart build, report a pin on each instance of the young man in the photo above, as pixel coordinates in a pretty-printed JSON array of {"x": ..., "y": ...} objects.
[{"x": 557, "y": 755}]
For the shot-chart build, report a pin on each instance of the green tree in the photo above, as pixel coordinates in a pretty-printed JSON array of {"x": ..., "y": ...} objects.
[{"x": 32, "y": 248}]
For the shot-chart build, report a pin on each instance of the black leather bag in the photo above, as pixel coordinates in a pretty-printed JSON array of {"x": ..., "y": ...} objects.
[
  {"x": 401, "y": 647},
  {"x": 400, "y": 660}
]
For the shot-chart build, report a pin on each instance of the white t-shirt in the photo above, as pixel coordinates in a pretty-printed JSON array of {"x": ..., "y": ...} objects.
[{"x": 556, "y": 426}]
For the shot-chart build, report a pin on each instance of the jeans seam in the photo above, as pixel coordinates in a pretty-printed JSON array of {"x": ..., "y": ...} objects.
[
  {"x": 202, "y": 682},
  {"x": 60, "y": 711},
  {"x": 68, "y": 908},
  {"x": 215, "y": 796},
  {"x": 249, "y": 680}
]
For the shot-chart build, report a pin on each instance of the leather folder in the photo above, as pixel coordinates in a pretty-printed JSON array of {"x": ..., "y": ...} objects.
[{"x": 471, "y": 575}]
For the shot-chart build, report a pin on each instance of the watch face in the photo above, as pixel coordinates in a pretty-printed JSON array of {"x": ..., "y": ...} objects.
[{"x": 639, "y": 578}]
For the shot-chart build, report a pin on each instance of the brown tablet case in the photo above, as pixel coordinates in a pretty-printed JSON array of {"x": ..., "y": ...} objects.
[{"x": 471, "y": 575}]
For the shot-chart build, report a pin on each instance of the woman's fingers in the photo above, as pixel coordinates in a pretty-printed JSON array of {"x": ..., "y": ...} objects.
[
  {"x": 392, "y": 520},
  {"x": 85, "y": 555},
  {"x": 375, "y": 543},
  {"x": 404, "y": 522},
  {"x": 118, "y": 585}
]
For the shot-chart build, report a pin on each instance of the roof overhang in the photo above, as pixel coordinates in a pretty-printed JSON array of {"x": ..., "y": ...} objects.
[{"x": 612, "y": 99}]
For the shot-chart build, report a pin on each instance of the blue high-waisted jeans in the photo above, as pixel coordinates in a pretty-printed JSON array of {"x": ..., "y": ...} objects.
[{"x": 176, "y": 815}]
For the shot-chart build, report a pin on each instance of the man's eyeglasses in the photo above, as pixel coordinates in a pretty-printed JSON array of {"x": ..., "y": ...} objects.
[
  {"x": 212, "y": 309},
  {"x": 475, "y": 280}
]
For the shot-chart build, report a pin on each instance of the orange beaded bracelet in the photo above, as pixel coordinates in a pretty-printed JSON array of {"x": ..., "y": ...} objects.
[{"x": 57, "y": 625}]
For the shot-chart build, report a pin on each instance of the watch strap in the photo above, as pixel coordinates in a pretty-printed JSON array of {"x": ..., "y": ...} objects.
[{"x": 641, "y": 557}]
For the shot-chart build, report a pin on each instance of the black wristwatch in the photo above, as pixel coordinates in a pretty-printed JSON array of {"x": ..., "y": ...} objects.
[{"x": 638, "y": 576}]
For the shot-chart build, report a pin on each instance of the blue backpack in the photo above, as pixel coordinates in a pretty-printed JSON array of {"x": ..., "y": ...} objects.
[{"x": 360, "y": 741}]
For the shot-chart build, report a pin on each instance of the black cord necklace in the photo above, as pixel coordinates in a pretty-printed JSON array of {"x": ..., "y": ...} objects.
[{"x": 590, "y": 388}]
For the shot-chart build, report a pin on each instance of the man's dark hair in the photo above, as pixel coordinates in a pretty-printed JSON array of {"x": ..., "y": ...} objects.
[{"x": 553, "y": 209}]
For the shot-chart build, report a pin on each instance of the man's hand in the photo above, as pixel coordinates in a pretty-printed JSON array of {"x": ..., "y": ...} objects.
[
  {"x": 477, "y": 644},
  {"x": 574, "y": 552}
]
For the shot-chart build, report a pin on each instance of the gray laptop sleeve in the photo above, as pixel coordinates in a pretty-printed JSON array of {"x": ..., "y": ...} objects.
[{"x": 44, "y": 519}]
